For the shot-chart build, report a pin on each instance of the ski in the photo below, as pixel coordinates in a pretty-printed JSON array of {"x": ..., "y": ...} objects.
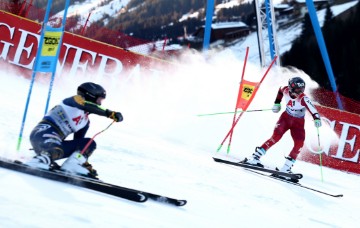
[
  {"x": 260, "y": 171},
  {"x": 152, "y": 196},
  {"x": 165, "y": 199},
  {"x": 90, "y": 183},
  {"x": 296, "y": 184},
  {"x": 125, "y": 193},
  {"x": 295, "y": 176}
]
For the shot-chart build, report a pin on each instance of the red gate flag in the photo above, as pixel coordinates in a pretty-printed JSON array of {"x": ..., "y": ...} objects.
[{"x": 246, "y": 94}]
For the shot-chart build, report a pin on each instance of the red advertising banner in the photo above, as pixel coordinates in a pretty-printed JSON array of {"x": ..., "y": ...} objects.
[
  {"x": 344, "y": 155},
  {"x": 19, "y": 39}
]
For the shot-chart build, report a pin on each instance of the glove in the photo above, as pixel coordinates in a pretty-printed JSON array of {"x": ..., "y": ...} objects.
[
  {"x": 317, "y": 123},
  {"x": 276, "y": 108},
  {"x": 115, "y": 115}
]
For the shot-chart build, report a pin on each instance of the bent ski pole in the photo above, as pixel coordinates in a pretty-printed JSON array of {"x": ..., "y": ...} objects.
[{"x": 92, "y": 139}]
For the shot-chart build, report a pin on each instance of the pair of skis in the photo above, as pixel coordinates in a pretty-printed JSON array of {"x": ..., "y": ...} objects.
[
  {"x": 294, "y": 176},
  {"x": 277, "y": 175},
  {"x": 89, "y": 183}
]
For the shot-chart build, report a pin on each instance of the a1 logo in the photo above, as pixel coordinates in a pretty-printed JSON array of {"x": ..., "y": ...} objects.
[
  {"x": 77, "y": 120},
  {"x": 291, "y": 103}
]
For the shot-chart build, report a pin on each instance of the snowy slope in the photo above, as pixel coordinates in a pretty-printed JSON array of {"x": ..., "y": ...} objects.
[
  {"x": 99, "y": 9},
  {"x": 96, "y": 9},
  {"x": 164, "y": 147}
]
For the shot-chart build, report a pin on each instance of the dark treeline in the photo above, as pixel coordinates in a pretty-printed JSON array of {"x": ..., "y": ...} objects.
[
  {"x": 156, "y": 19},
  {"x": 343, "y": 46}
]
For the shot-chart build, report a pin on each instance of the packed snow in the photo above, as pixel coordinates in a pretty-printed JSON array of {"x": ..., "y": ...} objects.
[{"x": 164, "y": 147}]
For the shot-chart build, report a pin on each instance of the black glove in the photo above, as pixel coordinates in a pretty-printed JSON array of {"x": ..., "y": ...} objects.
[{"x": 114, "y": 115}]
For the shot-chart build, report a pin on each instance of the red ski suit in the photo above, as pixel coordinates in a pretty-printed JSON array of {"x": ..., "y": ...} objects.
[{"x": 292, "y": 119}]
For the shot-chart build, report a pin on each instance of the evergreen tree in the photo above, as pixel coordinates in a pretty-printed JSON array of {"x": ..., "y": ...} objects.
[
  {"x": 307, "y": 29},
  {"x": 328, "y": 15}
]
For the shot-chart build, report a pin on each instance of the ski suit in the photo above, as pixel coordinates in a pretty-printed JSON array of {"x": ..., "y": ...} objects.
[
  {"x": 70, "y": 116},
  {"x": 292, "y": 119}
]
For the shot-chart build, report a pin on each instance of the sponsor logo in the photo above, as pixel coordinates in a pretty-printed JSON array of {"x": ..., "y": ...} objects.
[
  {"x": 248, "y": 90},
  {"x": 51, "y": 40}
]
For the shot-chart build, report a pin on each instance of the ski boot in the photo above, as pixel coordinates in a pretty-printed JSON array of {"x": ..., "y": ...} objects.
[
  {"x": 255, "y": 160},
  {"x": 41, "y": 161},
  {"x": 289, "y": 163},
  {"x": 77, "y": 164}
]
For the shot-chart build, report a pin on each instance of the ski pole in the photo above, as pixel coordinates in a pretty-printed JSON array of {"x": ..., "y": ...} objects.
[
  {"x": 92, "y": 139},
  {"x": 320, "y": 153},
  {"x": 220, "y": 113}
]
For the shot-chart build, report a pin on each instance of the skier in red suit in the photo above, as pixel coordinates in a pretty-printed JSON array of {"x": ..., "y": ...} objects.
[{"x": 291, "y": 119}]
